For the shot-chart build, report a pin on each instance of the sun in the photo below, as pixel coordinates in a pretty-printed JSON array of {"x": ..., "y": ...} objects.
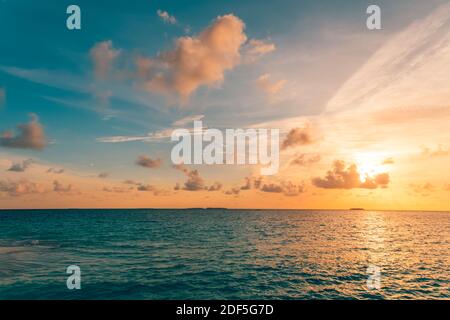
[{"x": 369, "y": 166}]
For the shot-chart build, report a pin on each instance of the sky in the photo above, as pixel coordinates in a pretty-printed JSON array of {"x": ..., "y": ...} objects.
[{"x": 86, "y": 115}]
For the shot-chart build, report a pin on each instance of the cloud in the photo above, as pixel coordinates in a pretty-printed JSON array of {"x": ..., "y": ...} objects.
[
  {"x": 348, "y": 177},
  {"x": 216, "y": 186},
  {"x": 103, "y": 175},
  {"x": 287, "y": 188},
  {"x": 19, "y": 188},
  {"x": 187, "y": 120},
  {"x": 103, "y": 55},
  {"x": 423, "y": 189},
  {"x": 255, "y": 49},
  {"x": 60, "y": 188},
  {"x": 149, "y": 188},
  {"x": 116, "y": 189},
  {"x": 55, "y": 170},
  {"x": 440, "y": 151},
  {"x": 305, "y": 160},
  {"x": 21, "y": 167},
  {"x": 388, "y": 161},
  {"x": 166, "y": 17},
  {"x": 233, "y": 191},
  {"x": 30, "y": 136},
  {"x": 147, "y": 162},
  {"x": 271, "y": 88},
  {"x": 252, "y": 183},
  {"x": 297, "y": 137},
  {"x": 194, "y": 181},
  {"x": 195, "y": 61}
]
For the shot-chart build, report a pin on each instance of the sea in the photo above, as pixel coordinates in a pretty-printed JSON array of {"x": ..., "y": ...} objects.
[{"x": 224, "y": 254}]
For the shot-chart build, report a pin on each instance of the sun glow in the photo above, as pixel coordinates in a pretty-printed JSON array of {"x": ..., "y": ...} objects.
[{"x": 369, "y": 166}]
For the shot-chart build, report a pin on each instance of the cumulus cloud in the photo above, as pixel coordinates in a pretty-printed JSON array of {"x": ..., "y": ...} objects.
[
  {"x": 195, "y": 61},
  {"x": 60, "y": 188},
  {"x": 271, "y": 88},
  {"x": 19, "y": 188},
  {"x": 166, "y": 17},
  {"x": 255, "y": 49},
  {"x": 348, "y": 177},
  {"x": 147, "y": 162},
  {"x": 21, "y": 166},
  {"x": 298, "y": 137},
  {"x": 30, "y": 136},
  {"x": 103, "y": 55},
  {"x": 194, "y": 181},
  {"x": 305, "y": 160}
]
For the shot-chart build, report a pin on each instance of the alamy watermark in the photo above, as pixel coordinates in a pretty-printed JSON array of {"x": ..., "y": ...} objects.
[
  {"x": 74, "y": 280},
  {"x": 236, "y": 146}
]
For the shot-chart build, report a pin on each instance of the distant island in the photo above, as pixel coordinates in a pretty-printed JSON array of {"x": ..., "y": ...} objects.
[{"x": 357, "y": 209}]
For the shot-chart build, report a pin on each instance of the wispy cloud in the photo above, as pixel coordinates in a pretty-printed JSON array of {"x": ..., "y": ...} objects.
[{"x": 166, "y": 17}]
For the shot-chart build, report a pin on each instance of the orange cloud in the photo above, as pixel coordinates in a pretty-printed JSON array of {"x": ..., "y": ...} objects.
[
  {"x": 255, "y": 49},
  {"x": 348, "y": 177},
  {"x": 30, "y": 136},
  {"x": 298, "y": 137},
  {"x": 271, "y": 88},
  {"x": 103, "y": 55},
  {"x": 195, "y": 61}
]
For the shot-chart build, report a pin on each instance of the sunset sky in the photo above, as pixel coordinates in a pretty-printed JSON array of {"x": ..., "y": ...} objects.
[{"x": 86, "y": 115}]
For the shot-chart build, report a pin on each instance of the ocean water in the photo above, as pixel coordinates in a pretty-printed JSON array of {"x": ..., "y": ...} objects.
[{"x": 224, "y": 254}]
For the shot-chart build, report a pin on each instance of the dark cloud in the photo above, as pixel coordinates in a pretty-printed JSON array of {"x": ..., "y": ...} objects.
[
  {"x": 297, "y": 137},
  {"x": 55, "y": 170},
  {"x": 103, "y": 175},
  {"x": 305, "y": 159},
  {"x": 60, "y": 188},
  {"x": 30, "y": 136},
  {"x": 149, "y": 188},
  {"x": 194, "y": 181},
  {"x": 233, "y": 191},
  {"x": 21, "y": 167},
  {"x": 348, "y": 177},
  {"x": 287, "y": 188},
  {"x": 147, "y": 162},
  {"x": 19, "y": 188}
]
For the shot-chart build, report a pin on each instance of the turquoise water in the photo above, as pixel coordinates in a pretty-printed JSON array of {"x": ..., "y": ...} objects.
[{"x": 224, "y": 254}]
